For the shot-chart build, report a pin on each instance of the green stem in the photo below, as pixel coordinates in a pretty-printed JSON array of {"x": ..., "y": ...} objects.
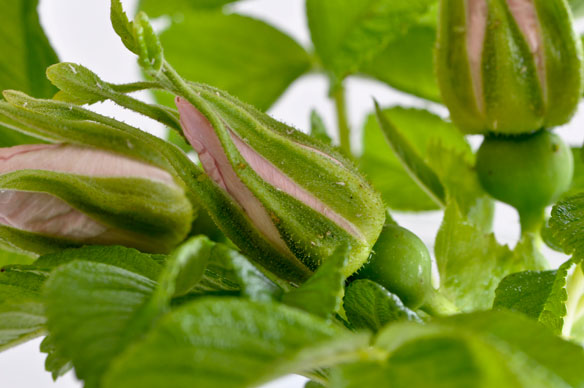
[
  {"x": 343, "y": 124},
  {"x": 531, "y": 221},
  {"x": 438, "y": 305}
]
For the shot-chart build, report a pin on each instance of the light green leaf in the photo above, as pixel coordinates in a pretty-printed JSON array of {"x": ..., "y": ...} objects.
[
  {"x": 401, "y": 170},
  {"x": 368, "y": 305},
  {"x": 318, "y": 129},
  {"x": 455, "y": 167},
  {"x": 322, "y": 293},
  {"x": 8, "y": 257},
  {"x": 21, "y": 311},
  {"x": 577, "y": 7},
  {"x": 91, "y": 313},
  {"x": 246, "y": 57},
  {"x": 346, "y": 33},
  {"x": 226, "y": 342},
  {"x": 149, "y": 49},
  {"x": 471, "y": 263},
  {"x": 27, "y": 53},
  {"x": 407, "y": 63},
  {"x": 174, "y": 8}
]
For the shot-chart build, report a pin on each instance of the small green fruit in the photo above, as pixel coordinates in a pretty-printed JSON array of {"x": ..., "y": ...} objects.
[
  {"x": 401, "y": 263},
  {"x": 528, "y": 172}
]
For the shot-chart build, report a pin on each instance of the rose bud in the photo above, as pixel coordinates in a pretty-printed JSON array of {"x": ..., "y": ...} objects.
[
  {"x": 508, "y": 66},
  {"x": 301, "y": 196},
  {"x": 55, "y": 195}
]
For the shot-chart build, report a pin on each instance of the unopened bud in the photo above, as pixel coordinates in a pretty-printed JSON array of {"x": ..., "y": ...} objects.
[{"x": 508, "y": 66}]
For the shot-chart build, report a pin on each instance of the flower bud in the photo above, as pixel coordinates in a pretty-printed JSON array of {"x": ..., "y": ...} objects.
[
  {"x": 55, "y": 195},
  {"x": 302, "y": 197},
  {"x": 508, "y": 66}
]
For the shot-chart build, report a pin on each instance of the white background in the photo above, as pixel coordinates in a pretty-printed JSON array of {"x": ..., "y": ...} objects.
[{"x": 80, "y": 32}]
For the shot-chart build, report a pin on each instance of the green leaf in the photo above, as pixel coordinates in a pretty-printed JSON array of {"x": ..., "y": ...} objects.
[
  {"x": 471, "y": 263},
  {"x": 229, "y": 270},
  {"x": 566, "y": 224},
  {"x": 369, "y": 305},
  {"x": 128, "y": 259},
  {"x": 456, "y": 170},
  {"x": 185, "y": 267},
  {"x": 246, "y": 57},
  {"x": 80, "y": 85},
  {"x": 551, "y": 297},
  {"x": 226, "y": 342},
  {"x": 577, "y": 7},
  {"x": 346, "y": 33},
  {"x": 487, "y": 349},
  {"x": 21, "y": 311},
  {"x": 27, "y": 53},
  {"x": 149, "y": 49},
  {"x": 8, "y": 257},
  {"x": 322, "y": 293},
  {"x": 91, "y": 313},
  {"x": 55, "y": 363},
  {"x": 122, "y": 26},
  {"x": 401, "y": 169},
  {"x": 407, "y": 63},
  {"x": 525, "y": 292},
  {"x": 318, "y": 129}
]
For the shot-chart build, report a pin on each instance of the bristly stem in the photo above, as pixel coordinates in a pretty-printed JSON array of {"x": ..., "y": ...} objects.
[{"x": 343, "y": 124}]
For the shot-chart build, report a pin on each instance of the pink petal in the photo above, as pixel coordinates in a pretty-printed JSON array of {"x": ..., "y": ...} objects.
[
  {"x": 46, "y": 214},
  {"x": 202, "y": 137},
  {"x": 77, "y": 160},
  {"x": 476, "y": 25}
]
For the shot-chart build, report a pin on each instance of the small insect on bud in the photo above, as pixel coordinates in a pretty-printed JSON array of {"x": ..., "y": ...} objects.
[
  {"x": 301, "y": 196},
  {"x": 508, "y": 66},
  {"x": 54, "y": 195}
]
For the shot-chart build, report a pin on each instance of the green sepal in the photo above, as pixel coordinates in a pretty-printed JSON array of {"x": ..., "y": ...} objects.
[{"x": 149, "y": 215}]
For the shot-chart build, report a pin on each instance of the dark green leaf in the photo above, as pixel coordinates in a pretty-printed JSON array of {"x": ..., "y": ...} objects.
[
  {"x": 226, "y": 342},
  {"x": 347, "y": 33},
  {"x": 370, "y": 306},
  {"x": 21, "y": 311},
  {"x": 525, "y": 292},
  {"x": 321, "y": 294},
  {"x": 551, "y": 297},
  {"x": 486, "y": 349},
  {"x": 122, "y": 26},
  {"x": 26, "y": 54},
  {"x": 246, "y": 57},
  {"x": 91, "y": 313},
  {"x": 125, "y": 258},
  {"x": 567, "y": 223},
  {"x": 407, "y": 63},
  {"x": 55, "y": 362}
]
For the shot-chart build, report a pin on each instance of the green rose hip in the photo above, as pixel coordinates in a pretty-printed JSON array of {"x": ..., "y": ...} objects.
[
  {"x": 528, "y": 172},
  {"x": 401, "y": 263}
]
